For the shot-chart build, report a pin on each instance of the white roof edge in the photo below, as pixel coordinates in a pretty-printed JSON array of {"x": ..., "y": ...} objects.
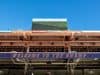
[
  {"x": 90, "y": 31},
  {"x": 49, "y": 19},
  {"x": 5, "y": 31}
]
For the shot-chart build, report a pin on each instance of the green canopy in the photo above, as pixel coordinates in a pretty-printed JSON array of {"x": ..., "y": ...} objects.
[{"x": 49, "y": 24}]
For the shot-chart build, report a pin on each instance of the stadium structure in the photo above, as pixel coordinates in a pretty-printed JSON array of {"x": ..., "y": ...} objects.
[{"x": 47, "y": 52}]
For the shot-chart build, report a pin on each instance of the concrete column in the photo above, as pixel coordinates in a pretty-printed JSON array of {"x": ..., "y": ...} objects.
[
  {"x": 83, "y": 72},
  {"x": 48, "y": 73}
]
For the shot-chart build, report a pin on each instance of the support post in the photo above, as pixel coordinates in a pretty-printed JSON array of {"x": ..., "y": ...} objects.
[
  {"x": 26, "y": 65},
  {"x": 83, "y": 72}
]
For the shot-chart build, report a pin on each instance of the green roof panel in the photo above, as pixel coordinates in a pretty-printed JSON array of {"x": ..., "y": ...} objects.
[{"x": 49, "y": 24}]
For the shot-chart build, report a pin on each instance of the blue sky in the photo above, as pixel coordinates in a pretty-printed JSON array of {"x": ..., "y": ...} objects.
[{"x": 81, "y": 14}]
